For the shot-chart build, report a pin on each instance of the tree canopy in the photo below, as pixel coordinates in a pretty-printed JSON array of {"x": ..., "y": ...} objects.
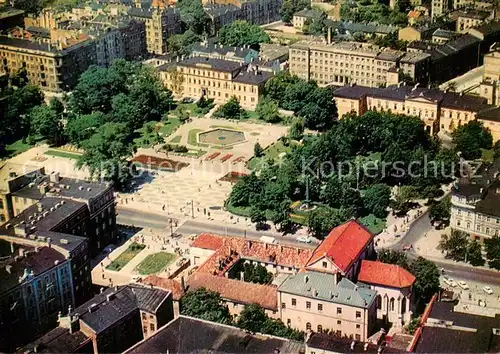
[
  {"x": 207, "y": 305},
  {"x": 241, "y": 33},
  {"x": 492, "y": 247},
  {"x": 230, "y": 110},
  {"x": 193, "y": 16},
  {"x": 470, "y": 138},
  {"x": 289, "y": 7}
]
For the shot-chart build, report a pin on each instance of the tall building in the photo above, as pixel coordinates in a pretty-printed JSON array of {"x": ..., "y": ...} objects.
[
  {"x": 160, "y": 24},
  {"x": 345, "y": 63},
  {"x": 40, "y": 275},
  {"x": 258, "y": 12},
  {"x": 51, "y": 203}
]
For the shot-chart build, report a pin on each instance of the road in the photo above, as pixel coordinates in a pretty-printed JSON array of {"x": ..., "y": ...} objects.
[{"x": 148, "y": 220}]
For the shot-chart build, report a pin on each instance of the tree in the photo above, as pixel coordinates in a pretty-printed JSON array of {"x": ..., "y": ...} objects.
[
  {"x": 230, "y": 110},
  {"x": 106, "y": 154},
  {"x": 289, "y": 7},
  {"x": 394, "y": 257},
  {"x": 440, "y": 210},
  {"x": 205, "y": 304},
  {"x": 496, "y": 150},
  {"x": 241, "y": 33},
  {"x": 46, "y": 124},
  {"x": 474, "y": 255},
  {"x": 376, "y": 199},
  {"x": 315, "y": 26},
  {"x": 492, "y": 247},
  {"x": 176, "y": 79},
  {"x": 257, "y": 215},
  {"x": 470, "y": 138},
  {"x": 413, "y": 325},
  {"x": 257, "y": 150},
  {"x": 268, "y": 111},
  {"x": 56, "y": 106},
  {"x": 455, "y": 246},
  {"x": 81, "y": 127},
  {"x": 204, "y": 105},
  {"x": 180, "y": 44},
  {"x": 403, "y": 197},
  {"x": 252, "y": 318},
  {"x": 427, "y": 278},
  {"x": 193, "y": 15},
  {"x": 319, "y": 110},
  {"x": 322, "y": 219},
  {"x": 296, "y": 130},
  {"x": 256, "y": 273}
]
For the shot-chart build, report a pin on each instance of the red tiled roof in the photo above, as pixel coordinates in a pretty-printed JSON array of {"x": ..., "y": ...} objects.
[
  {"x": 165, "y": 283},
  {"x": 414, "y": 14},
  {"x": 208, "y": 241},
  {"x": 343, "y": 245},
  {"x": 233, "y": 248},
  {"x": 236, "y": 290},
  {"x": 384, "y": 274}
]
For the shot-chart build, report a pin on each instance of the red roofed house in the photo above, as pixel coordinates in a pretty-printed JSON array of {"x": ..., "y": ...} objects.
[
  {"x": 342, "y": 250},
  {"x": 394, "y": 287}
]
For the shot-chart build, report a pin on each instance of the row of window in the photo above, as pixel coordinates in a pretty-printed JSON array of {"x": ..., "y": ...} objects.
[
  {"x": 319, "y": 307},
  {"x": 480, "y": 228}
]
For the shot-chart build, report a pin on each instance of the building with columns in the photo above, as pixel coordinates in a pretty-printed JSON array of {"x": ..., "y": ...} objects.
[{"x": 393, "y": 285}]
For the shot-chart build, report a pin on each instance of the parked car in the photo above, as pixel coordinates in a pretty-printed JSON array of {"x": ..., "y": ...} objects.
[
  {"x": 463, "y": 285},
  {"x": 304, "y": 239},
  {"x": 488, "y": 290},
  {"x": 407, "y": 247},
  {"x": 449, "y": 281}
]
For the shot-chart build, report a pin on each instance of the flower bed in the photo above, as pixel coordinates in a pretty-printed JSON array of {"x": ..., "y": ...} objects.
[
  {"x": 226, "y": 157},
  {"x": 212, "y": 156}
]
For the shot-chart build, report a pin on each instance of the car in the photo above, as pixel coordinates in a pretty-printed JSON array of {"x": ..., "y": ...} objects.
[
  {"x": 406, "y": 247},
  {"x": 463, "y": 285},
  {"x": 304, "y": 239},
  {"x": 449, "y": 281},
  {"x": 187, "y": 100},
  {"x": 488, "y": 290}
]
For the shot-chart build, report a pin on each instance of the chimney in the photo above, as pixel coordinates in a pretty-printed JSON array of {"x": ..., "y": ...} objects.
[{"x": 329, "y": 36}]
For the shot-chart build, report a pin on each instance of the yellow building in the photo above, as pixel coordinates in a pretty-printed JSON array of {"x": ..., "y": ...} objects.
[
  {"x": 215, "y": 78},
  {"x": 470, "y": 19},
  {"x": 440, "y": 111}
]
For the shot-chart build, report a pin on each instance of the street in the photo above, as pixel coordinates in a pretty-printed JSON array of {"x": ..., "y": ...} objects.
[{"x": 148, "y": 220}]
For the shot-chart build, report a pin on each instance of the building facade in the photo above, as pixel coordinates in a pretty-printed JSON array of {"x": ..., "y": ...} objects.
[{"x": 215, "y": 78}]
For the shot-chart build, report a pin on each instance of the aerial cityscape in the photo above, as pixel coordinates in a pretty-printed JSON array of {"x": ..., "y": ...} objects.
[{"x": 249, "y": 176}]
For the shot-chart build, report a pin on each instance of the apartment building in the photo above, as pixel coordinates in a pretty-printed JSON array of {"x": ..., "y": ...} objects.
[
  {"x": 221, "y": 15},
  {"x": 475, "y": 201},
  {"x": 216, "y": 78},
  {"x": 300, "y": 18},
  {"x": 258, "y": 12},
  {"x": 346, "y": 63},
  {"x": 160, "y": 24},
  {"x": 471, "y": 18},
  {"x": 440, "y": 7},
  {"x": 243, "y": 54},
  {"x": 10, "y": 17},
  {"x": 314, "y": 301},
  {"x": 110, "y": 322},
  {"x": 438, "y": 110},
  {"x": 51, "y": 203},
  {"x": 40, "y": 275},
  {"x": 53, "y": 67}
]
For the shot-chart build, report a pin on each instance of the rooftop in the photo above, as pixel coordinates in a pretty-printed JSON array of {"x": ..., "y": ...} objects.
[
  {"x": 10, "y": 171},
  {"x": 444, "y": 33},
  {"x": 254, "y": 77},
  {"x": 475, "y": 14},
  {"x": 343, "y": 245},
  {"x": 487, "y": 29},
  {"x": 55, "y": 186},
  {"x": 384, "y": 274},
  {"x": 235, "y": 290},
  {"x": 414, "y": 57},
  {"x": 223, "y": 50},
  {"x": 453, "y": 46},
  {"x": 27, "y": 263},
  {"x": 216, "y": 10},
  {"x": 322, "y": 286},
  {"x": 59, "y": 340},
  {"x": 489, "y": 203},
  {"x": 212, "y": 63},
  {"x": 114, "y": 304},
  {"x": 307, "y": 13},
  {"x": 192, "y": 335},
  {"x": 334, "y": 344},
  {"x": 171, "y": 285},
  {"x": 41, "y": 47},
  {"x": 7, "y": 12}
]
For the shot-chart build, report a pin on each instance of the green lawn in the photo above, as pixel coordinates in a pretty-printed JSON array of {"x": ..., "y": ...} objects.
[
  {"x": 252, "y": 115},
  {"x": 63, "y": 154},
  {"x": 241, "y": 211},
  {"x": 373, "y": 223},
  {"x": 127, "y": 255},
  {"x": 17, "y": 147},
  {"x": 155, "y": 263},
  {"x": 169, "y": 126},
  {"x": 271, "y": 152},
  {"x": 192, "y": 137},
  {"x": 176, "y": 139},
  {"x": 487, "y": 155}
]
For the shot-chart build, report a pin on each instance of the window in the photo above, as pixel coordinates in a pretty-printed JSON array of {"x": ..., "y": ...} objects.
[
  {"x": 308, "y": 305},
  {"x": 358, "y": 314},
  {"x": 339, "y": 311},
  {"x": 152, "y": 326},
  {"x": 339, "y": 322},
  {"x": 358, "y": 326},
  {"x": 283, "y": 305},
  {"x": 320, "y": 307},
  {"x": 320, "y": 328},
  {"x": 294, "y": 302},
  {"x": 289, "y": 322},
  {"x": 391, "y": 302},
  {"x": 145, "y": 329},
  {"x": 325, "y": 264}
]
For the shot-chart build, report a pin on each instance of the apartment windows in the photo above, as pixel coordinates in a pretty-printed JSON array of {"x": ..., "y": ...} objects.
[
  {"x": 152, "y": 326},
  {"x": 358, "y": 314},
  {"x": 320, "y": 307},
  {"x": 339, "y": 322},
  {"x": 308, "y": 305},
  {"x": 283, "y": 305},
  {"x": 339, "y": 310},
  {"x": 358, "y": 326},
  {"x": 294, "y": 302},
  {"x": 143, "y": 316},
  {"x": 288, "y": 322}
]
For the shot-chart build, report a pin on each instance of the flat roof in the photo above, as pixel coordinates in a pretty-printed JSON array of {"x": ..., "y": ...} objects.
[
  {"x": 192, "y": 335},
  {"x": 59, "y": 340}
]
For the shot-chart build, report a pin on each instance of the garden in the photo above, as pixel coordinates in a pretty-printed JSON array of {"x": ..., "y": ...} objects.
[
  {"x": 122, "y": 260},
  {"x": 155, "y": 263}
]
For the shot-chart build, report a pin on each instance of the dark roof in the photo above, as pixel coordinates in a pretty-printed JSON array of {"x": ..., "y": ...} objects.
[
  {"x": 43, "y": 47},
  {"x": 99, "y": 313},
  {"x": 192, "y": 335},
  {"x": 138, "y": 12},
  {"x": 223, "y": 50},
  {"x": 444, "y": 33},
  {"x": 335, "y": 344},
  {"x": 353, "y": 92},
  {"x": 476, "y": 14},
  {"x": 307, "y": 13},
  {"x": 216, "y": 10},
  {"x": 466, "y": 102},
  {"x": 421, "y": 45},
  {"x": 253, "y": 77},
  {"x": 488, "y": 28},
  {"x": 59, "y": 340},
  {"x": 490, "y": 204},
  {"x": 490, "y": 113},
  {"x": 215, "y": 64},
  {"x": 454, "y": 46},
  {"x": 441, "y": 339}
]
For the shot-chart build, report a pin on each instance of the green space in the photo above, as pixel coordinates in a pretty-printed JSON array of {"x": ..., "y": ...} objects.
[
  {"x": 63, "y": 154},
  {"x": 155, "y": 263},
  {"x": 240, "y": 211},
  {"x": 169, "y": 126},
  {"x": 252, "y": 115},
  {"x": 271, "y": 152},
  {"x": 122, "y": 260},
  {"x": 487, "y": 155},
  {"x": 192, "y": 138},
  {"x": 374, "y": 224},
  {"x": 176, "y": 139},
  {"x": 17, "y": 147}
]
